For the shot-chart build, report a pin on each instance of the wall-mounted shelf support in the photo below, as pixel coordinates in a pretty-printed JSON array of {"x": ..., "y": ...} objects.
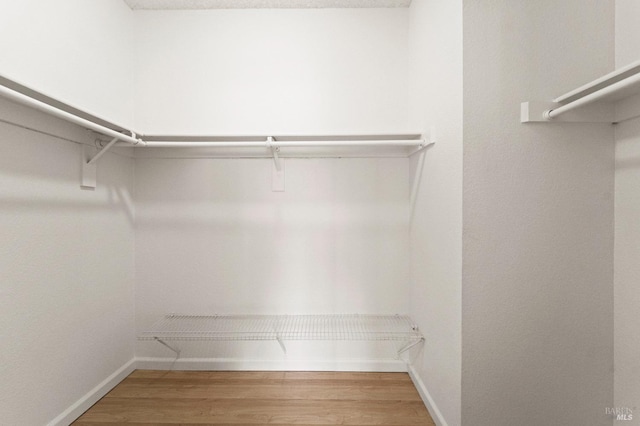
[
  {"x": 282, "y": 346},
  {"x": 102, "y": 151},
  {"x": 612, "y": 98},
  {"x": 410, "y": 345},
  {"x": 274, "y": 152},
  {"x": 162, "y": 342},
  {"x": 89, "y": 166},
  {"x": 422, "y": 148}
]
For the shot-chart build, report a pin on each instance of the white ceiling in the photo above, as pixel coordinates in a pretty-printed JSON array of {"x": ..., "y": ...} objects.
[{"x": 262, "y": 4}]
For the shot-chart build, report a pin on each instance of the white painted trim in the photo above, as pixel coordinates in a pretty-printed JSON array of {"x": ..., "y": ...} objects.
[
  {"x": 84, "y": 403},
  {"x": 235, "y": 364},
  {"x": 436, "y": 415}
]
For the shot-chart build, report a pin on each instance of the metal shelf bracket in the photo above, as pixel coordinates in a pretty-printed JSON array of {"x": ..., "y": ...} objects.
[
  {"x": 274, "y": 152},
  {"x": 281, "y": 342},
  {"x": 89, "y": 162},
  {"x": 277, "y": 171},
  {"x": 409, "y": 346},
  {"x": 162, "y": 342}
]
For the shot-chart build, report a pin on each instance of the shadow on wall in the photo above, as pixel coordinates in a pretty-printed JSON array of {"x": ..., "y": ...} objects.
[
  {"x": 628, "y": 163},
  {"x": 628, "y": 145},
  {"x": 41, "y": 172},
  {"x": 416, "y": 179},
  {"x": 117, "y": 200}
]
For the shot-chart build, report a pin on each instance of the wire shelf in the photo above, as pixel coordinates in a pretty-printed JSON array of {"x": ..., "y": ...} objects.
[{"x": 283, "y": 327}]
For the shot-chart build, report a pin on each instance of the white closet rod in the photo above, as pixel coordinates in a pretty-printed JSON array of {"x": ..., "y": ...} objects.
[
  {"x": 269, "y": 142},
  {"x": 592, "y": 97},
  {"x": 276, "y": 144},
  {"x": 41, "y": 106}
]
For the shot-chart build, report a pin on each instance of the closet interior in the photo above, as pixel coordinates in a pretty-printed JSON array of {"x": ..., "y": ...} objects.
[{"x": 322, "y": 185}]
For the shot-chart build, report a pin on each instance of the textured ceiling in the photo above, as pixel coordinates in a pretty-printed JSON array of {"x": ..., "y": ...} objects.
[{"x": 262, "y": 4}]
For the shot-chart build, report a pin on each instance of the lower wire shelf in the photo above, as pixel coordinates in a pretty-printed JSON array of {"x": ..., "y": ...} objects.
[{"x": 174, "y": 327}]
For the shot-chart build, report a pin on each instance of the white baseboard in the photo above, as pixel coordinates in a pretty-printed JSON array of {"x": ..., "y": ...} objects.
[
  {"x": 232, "y": 364},
  {"x": 84, "y": 403},
  {"x": 436, "y": 415}
]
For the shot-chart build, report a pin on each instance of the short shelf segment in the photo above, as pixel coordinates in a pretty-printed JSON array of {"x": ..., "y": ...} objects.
[{"x": 286, "y": 327}]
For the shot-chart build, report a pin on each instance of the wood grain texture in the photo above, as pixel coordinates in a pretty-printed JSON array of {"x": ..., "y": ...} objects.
[{"x": 260, "y": 398}]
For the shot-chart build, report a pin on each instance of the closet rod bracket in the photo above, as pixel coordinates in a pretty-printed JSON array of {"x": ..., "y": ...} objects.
[
  {"x": 277, "y": 172},
  {"x": 102, "y": 151},
  {"x": 422, "y": 147},
  {"x": 275, "y": 150},
  {"x": 89, "y": 162}
]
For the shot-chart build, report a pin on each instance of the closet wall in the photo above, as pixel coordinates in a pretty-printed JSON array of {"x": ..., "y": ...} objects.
[
  {"x": 74, "y": 50},
  {"x": 66, "y": 292},
  {"x": 211, "y": 235},
  {"x": 282, "y": 71},
  {"x": 537, "y": 283},
  {"x": 66, "y": 258},
  {"x": 435, "y": 98},
  {"x": 627, "y": 208},
  {"x": 536, "y": 232}
]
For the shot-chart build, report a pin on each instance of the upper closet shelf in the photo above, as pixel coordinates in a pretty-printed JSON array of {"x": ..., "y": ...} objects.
[
  {"x": 612, "y": 98},
  {"x": 352, "y": 145},
  {"x": 278, "y": 145},
  {"x": 407, "y": 143}
]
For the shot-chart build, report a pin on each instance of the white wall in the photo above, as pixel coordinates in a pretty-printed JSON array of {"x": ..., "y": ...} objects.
[
  {"x": 66, "y": 257},
  {"x": 211, "y": 237},
  {"x": 271, "y": 71},
  {"x": 627, "y": 208},
  {"x": 537, "y": 289},
  {"x": 78, "y": 51},
  {"x": 536, "y": 282},
  {"x": 627, "y": 34},
  {"x": 435, "y": 99}
]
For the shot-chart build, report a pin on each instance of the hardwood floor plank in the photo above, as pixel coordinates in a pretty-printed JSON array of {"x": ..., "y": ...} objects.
[
  {"x": 266, "y": 382},
  {"x": 281, "y": 391},
  {"x": 256, "y": 411},
  {"x": 269, "y": 375},
  {"x": 260, "y": 398},
  {"x": 208, "y": 375},
  {"x": 83, "y": 423}
]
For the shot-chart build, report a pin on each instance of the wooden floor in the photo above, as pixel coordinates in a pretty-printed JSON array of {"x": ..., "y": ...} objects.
[{"x": 260, "y": 398}]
